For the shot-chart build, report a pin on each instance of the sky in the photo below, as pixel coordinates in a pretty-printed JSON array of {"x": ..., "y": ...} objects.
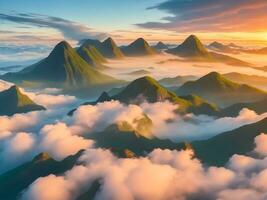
[{"x": 36, "y": 22}]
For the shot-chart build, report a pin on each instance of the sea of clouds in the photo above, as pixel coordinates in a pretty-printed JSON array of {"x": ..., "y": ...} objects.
[{"x": 162, "y": 174}]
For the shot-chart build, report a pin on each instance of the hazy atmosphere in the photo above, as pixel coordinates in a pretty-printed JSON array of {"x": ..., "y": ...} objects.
[{"x": 133, "y": 100}]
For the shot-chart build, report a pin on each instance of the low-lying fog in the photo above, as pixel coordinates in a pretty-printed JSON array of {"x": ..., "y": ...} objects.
[{"x": 166, "y": 65}]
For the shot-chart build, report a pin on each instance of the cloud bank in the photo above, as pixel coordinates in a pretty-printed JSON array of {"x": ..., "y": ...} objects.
[{"x": 163, "y": 174}]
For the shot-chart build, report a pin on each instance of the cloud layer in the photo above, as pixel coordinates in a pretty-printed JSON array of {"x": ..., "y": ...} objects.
[{"x": 163, "y": 174}]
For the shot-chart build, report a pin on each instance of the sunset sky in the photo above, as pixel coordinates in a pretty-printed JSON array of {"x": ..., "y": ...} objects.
[{"x": 47, "y": 22}]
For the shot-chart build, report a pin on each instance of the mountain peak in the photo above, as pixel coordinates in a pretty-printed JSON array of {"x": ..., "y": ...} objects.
[
  {"x": 41, "y": 157},
  {"x": 140, "y": 41},
  {"x": 160, "y": 45},
  {"x": 109, "y": 40},
  {"x": 191, "y": 47},
  {"x": 61, "y": 48},
  {"x": 13, "y": 101},
  {"x": 139, "y": 47}
]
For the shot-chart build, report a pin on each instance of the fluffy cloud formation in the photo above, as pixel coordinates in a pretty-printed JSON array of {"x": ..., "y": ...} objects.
[
  {"x": 166, "y": 123},
  {"x": 16, "y": 149},
  {"x": 96, "y": 118},
  {"x": 59, "y": 141},
  {"x": 211, "y": 15},
  {"x": 163, "y": 174},
  {"x": 261, "y": 144}
]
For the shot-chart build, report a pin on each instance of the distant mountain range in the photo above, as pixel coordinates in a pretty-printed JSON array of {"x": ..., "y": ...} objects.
[
  {"x": 253, "y": 80},
  {"x": 64, "y": 66},
  {"x": 13, "y": 101},
  {"x": 217, "y": 46},
  {"x": 176, "y": 81},
  {"x": 259, "y": 107},
  {"x": 221, "y": 91},
  {"x": 193, "y": 49},
  {"x": 139, "y": 47}
]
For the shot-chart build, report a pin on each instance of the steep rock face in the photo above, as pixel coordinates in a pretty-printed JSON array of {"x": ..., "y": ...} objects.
[
  {"x": 139, "y": 47},
  {"x": 13, "y": 101},
  {"x": 219, "y": 90},
  {"x": 63, "y": 65}
]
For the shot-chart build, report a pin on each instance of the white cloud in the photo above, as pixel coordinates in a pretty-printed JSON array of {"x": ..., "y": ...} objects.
[
  {"x": 59, "y": 141},
  {"x": 163, "y": 174}
]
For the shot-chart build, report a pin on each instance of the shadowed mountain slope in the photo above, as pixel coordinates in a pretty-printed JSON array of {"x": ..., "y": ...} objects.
[{"x": 13, "y": 101}]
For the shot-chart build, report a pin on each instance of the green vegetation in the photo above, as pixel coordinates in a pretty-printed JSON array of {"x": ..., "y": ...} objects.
[
  {"x": 65, "y": 66},
  {"x": 107, "y": 48},
  {"x": 21, "y": 177},
  {"x": 219, "y": 90},
  {"x": 193, "y": 49},
  {"x": 218, "y": 150},
  {"x": 148, "y": 89},
  {"x": 92, "y": 56},
  {"x": 13, "y": 101}
]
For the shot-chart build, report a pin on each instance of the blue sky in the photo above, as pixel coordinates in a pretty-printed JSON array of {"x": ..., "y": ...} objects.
[{"x": 99, "y": 14}]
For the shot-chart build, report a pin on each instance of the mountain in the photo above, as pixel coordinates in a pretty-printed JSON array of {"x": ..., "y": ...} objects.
[
  {"x": 222, "y": 48},
  {"x": 139, "y": 47},
  {"x": 148, "y": 89},
  {"x": 221, "y": 91},
  {"x": 176, "y": 81},
  {"x": 259, "y": 107},
  {"x": 13, "y": 101},
  {"x": 217, "y": 150},
  {"x": 92, "y": 56},
  {"x": 253, "y": 80},
  {"x": 64, "y": 66},
  {"x": 21, "y": 177},
  {"x": 160, "y": 46},
  {"x": 110, "y": 49},
  {"x": 193, "y": 49},
  {"x": 118, "y": 140},
  {"x": 107, "y": 48}
]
